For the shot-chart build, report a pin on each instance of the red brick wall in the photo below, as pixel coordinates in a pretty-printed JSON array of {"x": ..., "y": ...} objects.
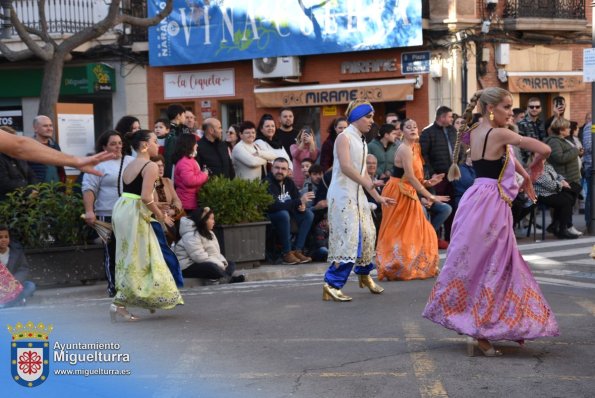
[{"x": 316, "y": 69}]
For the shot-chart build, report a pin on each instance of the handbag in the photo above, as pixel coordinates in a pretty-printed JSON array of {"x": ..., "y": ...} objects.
[{"x": 10, "y": 288}]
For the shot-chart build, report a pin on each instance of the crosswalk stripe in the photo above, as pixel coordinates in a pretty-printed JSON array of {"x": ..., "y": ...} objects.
[
  {"x": 587, "y": 305},
  {"x": 564, "y": 282}
]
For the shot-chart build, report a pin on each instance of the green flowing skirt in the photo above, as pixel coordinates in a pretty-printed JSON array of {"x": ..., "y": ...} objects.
[{"x": 142, "y": 277}]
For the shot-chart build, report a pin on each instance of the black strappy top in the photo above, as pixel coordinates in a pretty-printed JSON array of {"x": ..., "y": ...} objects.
[
  {"x": 136, "y": 185},
  {"x": 488, "y": 168},
  {"x": 398, "y": 172}
]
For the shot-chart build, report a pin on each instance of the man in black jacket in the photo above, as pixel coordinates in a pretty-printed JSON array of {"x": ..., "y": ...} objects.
[
  {"x": 176, "y": 114},
  {"x": 289, "y": 206},
  {"x": 212, "y": 151},
  {"x": 437, "y": 143},
  {"x": 14, "y": 173}
]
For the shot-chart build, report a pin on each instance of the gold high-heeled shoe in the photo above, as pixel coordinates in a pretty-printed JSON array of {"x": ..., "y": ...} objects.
[
  {"x": 120, "y": 310},
  {"x": 488, "y": 352},
  {"x": 367, "y": 281},
  {"x": 329, "y": 292}
]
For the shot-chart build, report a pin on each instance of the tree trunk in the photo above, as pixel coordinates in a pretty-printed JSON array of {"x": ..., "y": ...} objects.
[{"x": 50, "y": 86}]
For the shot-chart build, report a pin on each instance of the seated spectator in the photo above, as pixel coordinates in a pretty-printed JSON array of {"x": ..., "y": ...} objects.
[
  {"x": 305, "y": 147},
  {"x": 372, "y": 169},
  {"x": 13, "y": 258},
  {"x": 188, "y": 178},
  {"x": 565, "y": 160},
  {"x": 318, "y": 241},
  {"x": 14, "y": 173},
  {"x": 168, "y": 201},
  {"x": 306, "y": 164},
  {"x": 467, "y": 178},
  {"x": 315, "y": 184},
  {"x": 554, "y": 191},
  {"x": 249, "y": 160},
  {"x": 437, "y": 212},
  {"x": 383, "y": 148},
  {"x": 288, "y": 207},
  {"x": 198, "y": 249}
]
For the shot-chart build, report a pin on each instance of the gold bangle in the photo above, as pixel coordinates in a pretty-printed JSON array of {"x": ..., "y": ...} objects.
[{"x": 146, "y": 204}]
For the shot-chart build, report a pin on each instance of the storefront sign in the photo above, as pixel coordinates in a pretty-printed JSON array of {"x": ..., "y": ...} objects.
[
  {"x": 87, "y": 79},
  {"x": 199, "y": 84},
  {"x": 75, "y": 130},
  {"x": 329, "y": 110},
  {"x": 415, "y": 63},
  {"x": 369, "y": 66},
  {"x": 203, "y": 31},
  {"x": 12, "y": 118},
  {"x": 330, "y": 94},
  {"x": 545, "y": 82}
]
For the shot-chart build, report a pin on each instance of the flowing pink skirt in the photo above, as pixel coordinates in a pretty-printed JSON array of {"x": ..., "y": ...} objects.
[{"x": 486, "y": 289}]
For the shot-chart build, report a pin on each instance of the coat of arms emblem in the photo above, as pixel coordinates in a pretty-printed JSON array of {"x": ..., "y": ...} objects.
[{"x": 29, "y": 353}]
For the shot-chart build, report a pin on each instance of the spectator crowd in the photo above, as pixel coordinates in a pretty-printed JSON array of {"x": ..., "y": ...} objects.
[{"x": 298, "y": 173}]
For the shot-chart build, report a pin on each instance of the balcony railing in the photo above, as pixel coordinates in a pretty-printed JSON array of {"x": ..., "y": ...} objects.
[
  {"x": 563, "y": 9},
  {"x": 63, "y": 16},
  {"x": 136, "y": 8}
]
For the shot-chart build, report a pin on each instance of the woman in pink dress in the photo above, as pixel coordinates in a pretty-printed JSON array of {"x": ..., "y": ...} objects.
[{"x": 485, "y": 289}]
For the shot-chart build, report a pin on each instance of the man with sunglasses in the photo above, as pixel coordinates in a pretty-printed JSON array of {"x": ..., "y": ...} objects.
[{"x": 532, "y": 125}]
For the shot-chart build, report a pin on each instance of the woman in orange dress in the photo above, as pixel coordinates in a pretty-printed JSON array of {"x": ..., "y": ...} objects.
[{"x": 407, "y": 243}]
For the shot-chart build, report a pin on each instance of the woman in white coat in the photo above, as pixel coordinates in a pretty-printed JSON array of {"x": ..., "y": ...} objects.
[
  {"x": 249, "y": 160},
  {"x": 198, "y": 249}
]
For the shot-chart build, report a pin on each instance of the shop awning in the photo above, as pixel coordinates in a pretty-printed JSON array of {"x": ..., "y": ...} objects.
[
  {"x": 545, "y": 82},
  {"x": 332, "y": 94}
]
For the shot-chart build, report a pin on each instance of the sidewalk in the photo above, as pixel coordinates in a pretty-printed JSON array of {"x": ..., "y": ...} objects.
[{"x": 262, "y": 273}]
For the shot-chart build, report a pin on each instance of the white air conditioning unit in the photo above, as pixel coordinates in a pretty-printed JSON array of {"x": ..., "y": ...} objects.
[{"x": 265, "y": 68}]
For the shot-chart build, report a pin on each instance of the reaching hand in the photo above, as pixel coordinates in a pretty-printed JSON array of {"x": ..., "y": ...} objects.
[
  {"x": 85, "y": 164},
  {"x": 527, "y": 187},
  {"x": 386, "y": 201},
  {"x": 436, "y": 178},
  {"x": 536, "y": 168}
]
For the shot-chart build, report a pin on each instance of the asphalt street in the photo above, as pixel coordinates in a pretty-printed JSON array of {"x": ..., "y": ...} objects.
[{"x": 277, "y": 338}]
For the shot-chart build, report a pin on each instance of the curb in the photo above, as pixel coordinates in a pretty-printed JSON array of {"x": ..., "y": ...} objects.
[{"x": 97, "y": 290}]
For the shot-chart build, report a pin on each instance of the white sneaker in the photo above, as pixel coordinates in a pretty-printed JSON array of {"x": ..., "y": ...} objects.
[{"x": 575, "y": 231}]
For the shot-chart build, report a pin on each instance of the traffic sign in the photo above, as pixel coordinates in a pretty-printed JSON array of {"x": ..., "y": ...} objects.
[{"x": 415, "y": 63}]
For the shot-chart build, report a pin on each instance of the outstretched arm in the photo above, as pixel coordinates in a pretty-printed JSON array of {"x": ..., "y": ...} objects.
[{"x": 28, "y": 149}]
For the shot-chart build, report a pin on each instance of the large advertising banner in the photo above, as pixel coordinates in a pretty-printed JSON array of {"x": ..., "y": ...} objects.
[{"x": 206, "y": 31}]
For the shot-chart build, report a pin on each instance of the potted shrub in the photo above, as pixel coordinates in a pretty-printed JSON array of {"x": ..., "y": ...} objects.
[
  {"x": 239, "y": 207},
  {"x": 45, "y": 219}
]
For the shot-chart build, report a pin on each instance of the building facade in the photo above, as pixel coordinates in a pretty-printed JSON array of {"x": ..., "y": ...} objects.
[{"x": 529, "y": 47}]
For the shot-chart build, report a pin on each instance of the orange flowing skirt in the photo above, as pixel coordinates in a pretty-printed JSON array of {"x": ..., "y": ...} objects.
[{"x": 407, "y": 243}]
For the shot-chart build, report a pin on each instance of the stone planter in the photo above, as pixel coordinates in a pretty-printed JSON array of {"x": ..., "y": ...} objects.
[
  {"x": 58, "y": 266},
  {"x": 245, "y": 244}
]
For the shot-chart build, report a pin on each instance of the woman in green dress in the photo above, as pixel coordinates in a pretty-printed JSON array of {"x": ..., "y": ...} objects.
[{"x": 142, "y": 277}]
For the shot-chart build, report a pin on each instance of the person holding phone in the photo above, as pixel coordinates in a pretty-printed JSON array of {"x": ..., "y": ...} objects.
[
  {"x": 305, "y": 147},
  {"x": 558, "y": 109}
]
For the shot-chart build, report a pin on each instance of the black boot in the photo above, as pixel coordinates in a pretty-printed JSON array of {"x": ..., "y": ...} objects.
[
  {"x": 563, "y": 233},
  {"x": 553, "y": 227}
]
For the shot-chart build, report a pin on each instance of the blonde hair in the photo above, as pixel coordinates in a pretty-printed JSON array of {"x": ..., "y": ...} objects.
[
  {"x": 559, "y": 124},
  {"x": 482, "y": 98},
  {"x": 8, "y": 129}
]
